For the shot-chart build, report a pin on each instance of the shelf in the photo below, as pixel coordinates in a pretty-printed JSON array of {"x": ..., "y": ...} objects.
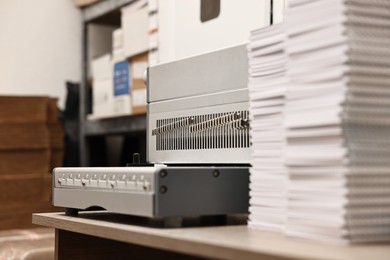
[
  {"x": 115, "y": 125},
  {"x": 103, "y": 8},
  {"x": 222, "y": 242}
]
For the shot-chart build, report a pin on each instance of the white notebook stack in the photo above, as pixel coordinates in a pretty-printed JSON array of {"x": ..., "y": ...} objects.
[
  {"x": 338, "y": 120},
  {"x": 267, "y": 87}
]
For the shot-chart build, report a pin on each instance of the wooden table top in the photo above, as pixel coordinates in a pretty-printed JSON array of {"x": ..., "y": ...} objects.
[{"x": 226, "y": 242}]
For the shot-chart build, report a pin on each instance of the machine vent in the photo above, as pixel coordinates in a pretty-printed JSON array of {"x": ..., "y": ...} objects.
[{"x": 211, "y": 131}]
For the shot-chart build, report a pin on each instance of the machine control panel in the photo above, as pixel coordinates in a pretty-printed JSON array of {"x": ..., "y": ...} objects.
[{"x": 98, "y": 179}]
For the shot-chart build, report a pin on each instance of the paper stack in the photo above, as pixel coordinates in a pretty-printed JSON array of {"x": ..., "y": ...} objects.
[
  {"x": 267, "y": 87},
  {"x": 338, "y": 120}
]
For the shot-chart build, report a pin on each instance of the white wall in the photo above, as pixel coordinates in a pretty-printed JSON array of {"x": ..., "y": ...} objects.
[{"x": 40, "y": 47}]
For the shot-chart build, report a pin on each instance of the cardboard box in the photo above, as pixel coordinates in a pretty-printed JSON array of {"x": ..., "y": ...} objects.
[
  {"x": 102, "y": 67},
  {"x": 102, "y": 94},
  {"x": 118, "y": 52},
  {"x": 24, "y": 161},
  {"x": 56, "y": 158},
  {"x": 56, "y": 134},
  {"x": 135, "y": 25},
  {"x": 117, "y": 38},
  {"x": 102, "y": 98},
  {"x": 52, "y": 111},
  {"x": 29, "y": 128},
  {"x": 24, "y": 136},
  {"x": 18, "y": 215},
  {"x": 56, "y": 145},
  {"x": 21, "y": 188},
  {"x": 47, "y": 185},
  {"x": 118, "y": 55},
  {"x": 138, "y": 65},
  {"x": 23, "y": 195},
  {"x": 17, "y": 109}
]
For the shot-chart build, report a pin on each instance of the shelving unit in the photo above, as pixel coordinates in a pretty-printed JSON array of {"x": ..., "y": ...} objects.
[{"x": 104, "y": 12}]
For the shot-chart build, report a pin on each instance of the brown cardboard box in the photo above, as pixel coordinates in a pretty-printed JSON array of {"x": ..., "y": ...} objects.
[
  {"x": 52, "y": 111},
  {"x": 24, "y": 161},
  {"x": 24, "y": 136},
  {"x": 138, "y": 89},
  {"x": 23, "y": 195},
  {"x": 14, "y": 109},
  {"x": 18, "y": 215},
  {"x": 56, "y": 135},
  {"x": 21, "y": 188},
  {"x": 47, "y": 184},
  {"x": 29, "y": 131},
  {"x": 56, "y": 158}
]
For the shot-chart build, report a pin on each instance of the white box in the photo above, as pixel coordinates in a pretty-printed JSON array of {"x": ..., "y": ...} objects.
[
  {"x": 102, "y": 98},
  {"x": 153, "y": 40},
  {"x": 139, "y": 97},
  {"x": 153, "y": 57},
  {"x": 102, "y": 67},
  {"x": 117, "y": 39},
  {"x": 135, "y": 24},
  {"x": 122, "y": 105},
  {"x": 153, "y": 22},
  {"x": 118, "y": 55},
  {"x": 138, "y": 69},
  {"x": 183, "y": 34}
]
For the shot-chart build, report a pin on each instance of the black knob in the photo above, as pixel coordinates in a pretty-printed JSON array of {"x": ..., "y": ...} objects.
[{"x": 136, "y": 158}]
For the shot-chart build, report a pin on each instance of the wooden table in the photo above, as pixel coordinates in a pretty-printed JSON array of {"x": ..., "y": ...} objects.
[{"x": 107, "y": 236}]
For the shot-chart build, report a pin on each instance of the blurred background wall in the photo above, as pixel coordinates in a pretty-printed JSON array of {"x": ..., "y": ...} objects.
[{"x": 40, "y": 47}]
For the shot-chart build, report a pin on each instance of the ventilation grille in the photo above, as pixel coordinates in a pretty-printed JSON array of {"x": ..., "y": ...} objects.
[{"x": 211, "y": 131}]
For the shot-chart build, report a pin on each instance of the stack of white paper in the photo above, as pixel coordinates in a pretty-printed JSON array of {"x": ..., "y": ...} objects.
[
  {"x": 338, "y": 120},
  {"x": 267, "y": 87}
]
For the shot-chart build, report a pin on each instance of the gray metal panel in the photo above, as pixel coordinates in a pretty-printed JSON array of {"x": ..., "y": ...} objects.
[
  {"x": 196, "y": 191},
  {"x": 115, "y": 199},
  {"x": 190, "y": 191},
  {"x": 213, "y": 72},
  {"x": 201, "y": 156},
  {"x": 89, "y": 173},
  {"x": 209, "y": 100},
  {"x": 118, "y": 202}
]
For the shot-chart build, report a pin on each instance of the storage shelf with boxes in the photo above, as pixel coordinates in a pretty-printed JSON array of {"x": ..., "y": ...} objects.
[
  {"x": 118, "y": 85},
  {"x": 123, "y": 95}
]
